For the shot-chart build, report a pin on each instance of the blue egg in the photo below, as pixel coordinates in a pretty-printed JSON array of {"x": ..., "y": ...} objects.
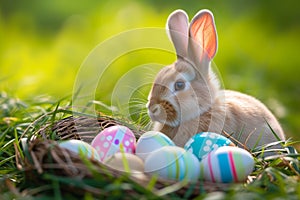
[{"x": 203, "y": 143}]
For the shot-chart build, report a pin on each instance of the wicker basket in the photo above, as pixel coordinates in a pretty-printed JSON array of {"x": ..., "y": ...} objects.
[{"x": 44, "y": 156}]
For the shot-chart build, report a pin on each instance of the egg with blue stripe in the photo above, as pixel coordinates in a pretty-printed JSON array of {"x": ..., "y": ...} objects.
[
  {"x": 78, "y": 146},
  {"x": 203, "y": 143},
  {"x": 174, "y": 163},
  {"x": 226, "y": 165},
  {"x": 150, "y": 142}
]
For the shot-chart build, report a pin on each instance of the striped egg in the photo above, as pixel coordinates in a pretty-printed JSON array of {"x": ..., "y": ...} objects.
[
  {"x": 112, "y": 139},
  {"x": 227, "y": 164},
  {"x": 78, "y": 146},
  {"x": 150, "y": 142},
  {"x": 203, "y": 143},
  {"x": 172, "y": 162}
]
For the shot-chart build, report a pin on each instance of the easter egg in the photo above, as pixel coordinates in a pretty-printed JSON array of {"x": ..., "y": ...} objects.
[
  {"x": 77, "y": 146},
  {"x": 227, "y": 164},
  {"x": 203, "y": 143},
  {"x": 174, "y": 163},
  {"x": 150, "y": 142},
  {"x": 125, "y": 162},
  {"x": 112, "y": 139}
]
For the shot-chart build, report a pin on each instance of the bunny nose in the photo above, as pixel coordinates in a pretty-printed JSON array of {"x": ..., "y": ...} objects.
[{"x": 155, "y": 109}]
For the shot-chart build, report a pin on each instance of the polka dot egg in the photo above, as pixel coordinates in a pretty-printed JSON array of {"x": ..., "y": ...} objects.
[
  {"x": 203, "y": 143},
  {"x": 112, "y": 139}
]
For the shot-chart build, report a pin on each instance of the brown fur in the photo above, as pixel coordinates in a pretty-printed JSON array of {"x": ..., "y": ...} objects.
[
  {"x": 242, "y": 118},
  {"x": 202, "y": 106}
]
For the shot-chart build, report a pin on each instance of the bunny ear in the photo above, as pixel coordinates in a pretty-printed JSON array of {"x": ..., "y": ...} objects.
[
  {"x": 203, "y": 32},
  {"x": 177, "y": 28}
]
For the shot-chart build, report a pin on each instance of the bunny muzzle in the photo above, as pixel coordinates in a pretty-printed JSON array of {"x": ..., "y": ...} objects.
[{"x": 161, "y": 110}]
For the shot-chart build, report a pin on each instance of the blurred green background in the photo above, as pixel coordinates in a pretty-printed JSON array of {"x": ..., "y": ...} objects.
[{"x": 43, "y": 44}]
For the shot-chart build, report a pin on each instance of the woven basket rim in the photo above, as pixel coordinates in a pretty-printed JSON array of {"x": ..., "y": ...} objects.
[{"x": 40, "y": 146}]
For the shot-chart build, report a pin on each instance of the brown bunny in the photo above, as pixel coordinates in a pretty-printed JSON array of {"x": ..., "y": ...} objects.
[{"x": 186, "y": 97}]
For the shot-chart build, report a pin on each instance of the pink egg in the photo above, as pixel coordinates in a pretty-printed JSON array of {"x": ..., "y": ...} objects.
[{"x": 112, "y": 139}]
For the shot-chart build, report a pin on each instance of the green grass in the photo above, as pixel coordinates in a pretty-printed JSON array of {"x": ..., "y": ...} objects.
[
  {"x": 43, "y": 44},
  {"x": 274, "y": 176}
]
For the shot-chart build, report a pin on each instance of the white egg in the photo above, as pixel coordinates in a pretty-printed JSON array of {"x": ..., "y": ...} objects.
[
  {"x": 77, "y": 146},
  {"x": 227, "y": 164},
  {"x": 150, "y": 142},
  {"x": 175, "y": 163}
]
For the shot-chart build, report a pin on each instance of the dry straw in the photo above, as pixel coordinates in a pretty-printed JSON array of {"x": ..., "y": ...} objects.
[{"x": 42, "y": 155}]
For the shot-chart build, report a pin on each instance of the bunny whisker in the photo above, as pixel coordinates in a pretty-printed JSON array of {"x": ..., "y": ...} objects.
[{"x": 186, "y": 97}]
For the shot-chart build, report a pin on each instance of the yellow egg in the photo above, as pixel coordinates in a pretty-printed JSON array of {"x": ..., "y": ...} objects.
[{"x": 125, "y": 162}]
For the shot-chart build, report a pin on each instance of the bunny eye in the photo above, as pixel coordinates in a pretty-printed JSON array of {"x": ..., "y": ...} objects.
[{"x": 179, "y": 85}]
